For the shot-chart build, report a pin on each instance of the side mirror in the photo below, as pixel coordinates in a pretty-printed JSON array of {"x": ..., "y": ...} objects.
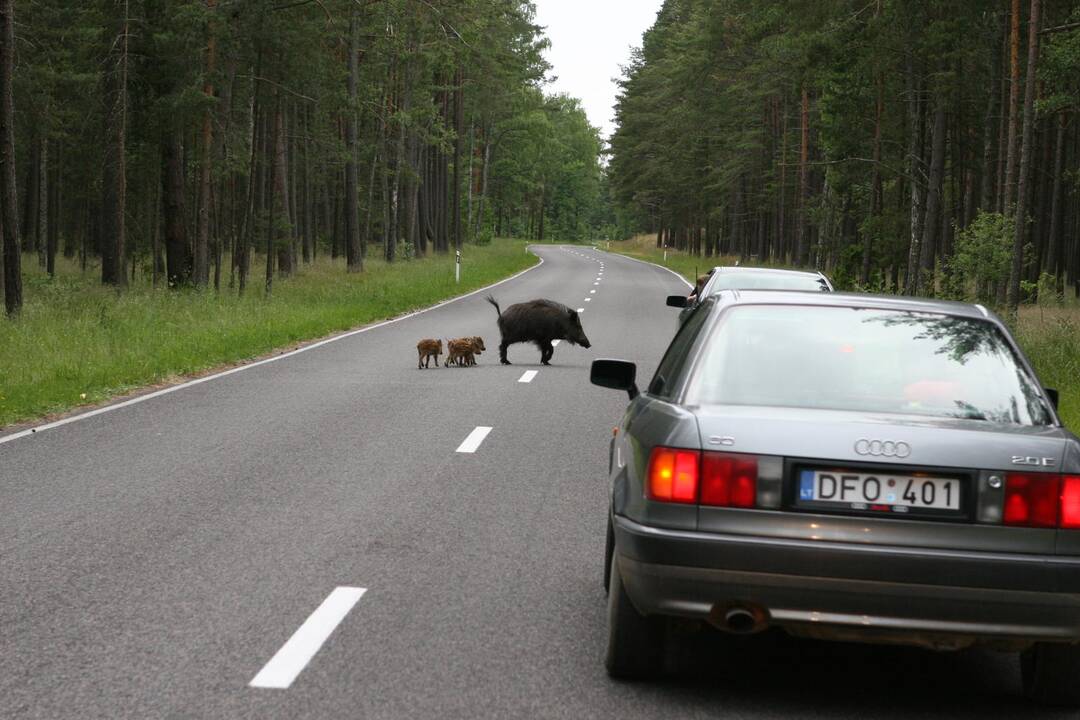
[
  {"x": 1052, "y": 393},
  {"x": 679, "y": 301},
  {"x": 615, "y": 374}
]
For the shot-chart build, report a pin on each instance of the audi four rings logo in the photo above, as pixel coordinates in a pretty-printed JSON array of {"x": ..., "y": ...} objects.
[{"x": 882, "y": 448}]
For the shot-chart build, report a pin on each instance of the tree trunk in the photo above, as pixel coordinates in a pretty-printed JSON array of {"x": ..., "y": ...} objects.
[
  {"x": 8, "y": 200},
  {"x": 459, "y": 129},
  {"x": 114, "y": 199},
  {"x": 876, "y": 199},
  {"x": 986, "y": 186},
  {"x": 1014, "y": 106},
  {"x": 915, "y": 122},
  {"x": 202, "y": 232},
  {"x": 308, "y": 204},
  {"x": 241, "y": 251},
  {"x": 279, "y": 189},
  {"x": 931, "y": 223},
  {"x": 353, "y": 255},
  {"x": 1020, "y": 216},
  {"x": 178, "y": 261},
  {"x": 30, "y": 202},
  {"x": 271, "y": 184},
  {"x": 52, "y": 241},
  {"x": 801, "y": 245},
  {"x": 1055, "y": 245}
]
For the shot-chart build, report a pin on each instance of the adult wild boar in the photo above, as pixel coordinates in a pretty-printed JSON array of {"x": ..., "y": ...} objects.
[{"x": 540, "y": 322}]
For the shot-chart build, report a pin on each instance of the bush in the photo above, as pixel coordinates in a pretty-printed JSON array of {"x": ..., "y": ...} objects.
[{"x": 983, "y": 254}]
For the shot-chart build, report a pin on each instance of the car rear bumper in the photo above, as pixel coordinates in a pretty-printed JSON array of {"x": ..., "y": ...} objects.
[{"x": 850, "y": 592}]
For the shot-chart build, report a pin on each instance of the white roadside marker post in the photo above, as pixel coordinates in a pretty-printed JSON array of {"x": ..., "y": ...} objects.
[{"x": 457, "y": 267}]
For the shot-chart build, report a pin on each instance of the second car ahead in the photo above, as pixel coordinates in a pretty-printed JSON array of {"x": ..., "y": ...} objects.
[{"x": 748, "y": 278}]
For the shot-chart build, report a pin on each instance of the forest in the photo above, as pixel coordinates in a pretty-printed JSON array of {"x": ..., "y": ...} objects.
[
  {"x": 917, "y": 147},
  {"x": 217, "y": 143}
]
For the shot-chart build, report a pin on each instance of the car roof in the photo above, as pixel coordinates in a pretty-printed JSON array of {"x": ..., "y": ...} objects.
[
  {"x": 852, "y": 300},
  {"x": 727, "y": 269}
]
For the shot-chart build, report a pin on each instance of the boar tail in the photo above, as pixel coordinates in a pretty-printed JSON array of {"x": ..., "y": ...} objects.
[{"x": 492, "y": 301}]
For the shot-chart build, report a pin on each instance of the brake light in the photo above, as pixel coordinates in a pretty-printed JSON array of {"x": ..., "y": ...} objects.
[
  {"x": 1070, "y": 502},
  {"x": 673, "y": 475},
  {"x": 728, "y": 480},
  {"x": 1032, "y": 499}
]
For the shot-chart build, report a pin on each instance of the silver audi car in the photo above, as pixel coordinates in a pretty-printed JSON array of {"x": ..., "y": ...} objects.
[{"x": 848, "y": 467}]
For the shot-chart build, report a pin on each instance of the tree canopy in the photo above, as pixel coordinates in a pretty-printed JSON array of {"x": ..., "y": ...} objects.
[
  {"x": 861, "y": 138},
  {"x": 180, "y": 137}
]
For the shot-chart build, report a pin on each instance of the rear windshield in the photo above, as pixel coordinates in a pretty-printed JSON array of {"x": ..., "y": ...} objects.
[
  {"x": 865, "y": 360},
  {"x": 767, "y": 281}
]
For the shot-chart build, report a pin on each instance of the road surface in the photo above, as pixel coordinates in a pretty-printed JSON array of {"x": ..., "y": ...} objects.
[{"x": 337, "y": 534}]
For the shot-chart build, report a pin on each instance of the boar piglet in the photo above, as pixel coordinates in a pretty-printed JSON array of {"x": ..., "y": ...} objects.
[
  {"x": 540, "y": 322},
  {"x": 477, "y": 346},
  {"x": 463, "y": 351},
  {"x": 428, "y": 349},
  {"x": 460, "y": 352}
]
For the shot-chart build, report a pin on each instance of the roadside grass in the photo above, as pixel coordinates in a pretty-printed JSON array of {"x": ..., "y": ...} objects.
[
  {"x": 643, "y": 247},
  {"x": 1050, "y": 336},
  {"x": 78, "y": 343}
]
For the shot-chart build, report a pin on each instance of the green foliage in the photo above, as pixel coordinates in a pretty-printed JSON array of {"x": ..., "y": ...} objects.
[{"x": 983, "y": 253}]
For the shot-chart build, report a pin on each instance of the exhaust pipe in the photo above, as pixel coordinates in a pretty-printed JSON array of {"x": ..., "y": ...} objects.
[{"x": 739, "y": 619}]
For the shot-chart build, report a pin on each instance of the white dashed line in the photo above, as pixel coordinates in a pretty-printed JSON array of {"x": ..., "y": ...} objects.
[
  {"x": 555, "y": 343},
  {"x": 473, "y": 441},
  {"x": 298, "y": 650},
  {"x": 528, "y": 376},
  {"x": 588, "y": 299},
  {"x": 592, "y": 292},
  {"x": 581, "y": 310}
]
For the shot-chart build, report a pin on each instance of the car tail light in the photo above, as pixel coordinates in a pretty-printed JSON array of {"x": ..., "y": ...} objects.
[
  {"x": 728, "y": 480},
  {"x": 1032, "y": 499},
  {"x": 673, "y": 475},
  {"x": 1070, "y": 502}
]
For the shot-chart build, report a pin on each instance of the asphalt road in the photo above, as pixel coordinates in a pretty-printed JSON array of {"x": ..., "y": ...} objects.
[{"x": 154, "y": 559}]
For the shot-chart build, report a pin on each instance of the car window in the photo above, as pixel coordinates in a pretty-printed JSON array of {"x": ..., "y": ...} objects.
[
  {"x": 768, "y": 281},
  {"x": 866, "y": 360},
  {"x": 671, "y": 366}
]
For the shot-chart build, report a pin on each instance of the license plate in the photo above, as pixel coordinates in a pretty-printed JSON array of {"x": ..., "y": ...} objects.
[{"x": 877, "y": 491}]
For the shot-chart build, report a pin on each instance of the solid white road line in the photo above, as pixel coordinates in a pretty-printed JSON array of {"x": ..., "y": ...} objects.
[
  {"x": 555, "y": 343},
  {"x": 298, "y": 650},
  {"x": 528, "y": 376},
  {"x": 198, "y": 381},
  {"x": 473, "y": 441}
]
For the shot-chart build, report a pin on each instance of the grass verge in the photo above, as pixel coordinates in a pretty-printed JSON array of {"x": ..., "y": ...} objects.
[
  {"x": 78, "y": 343},
  {"x": 1049, "y": 336}
]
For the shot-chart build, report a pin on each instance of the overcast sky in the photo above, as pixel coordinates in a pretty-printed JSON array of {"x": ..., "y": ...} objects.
[{"x": 590, "y": 39}]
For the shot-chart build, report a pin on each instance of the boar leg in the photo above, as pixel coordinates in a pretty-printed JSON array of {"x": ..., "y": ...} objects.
[
  {"x": 502, "y": 353},
  {"x": 546, "y": 351}
]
